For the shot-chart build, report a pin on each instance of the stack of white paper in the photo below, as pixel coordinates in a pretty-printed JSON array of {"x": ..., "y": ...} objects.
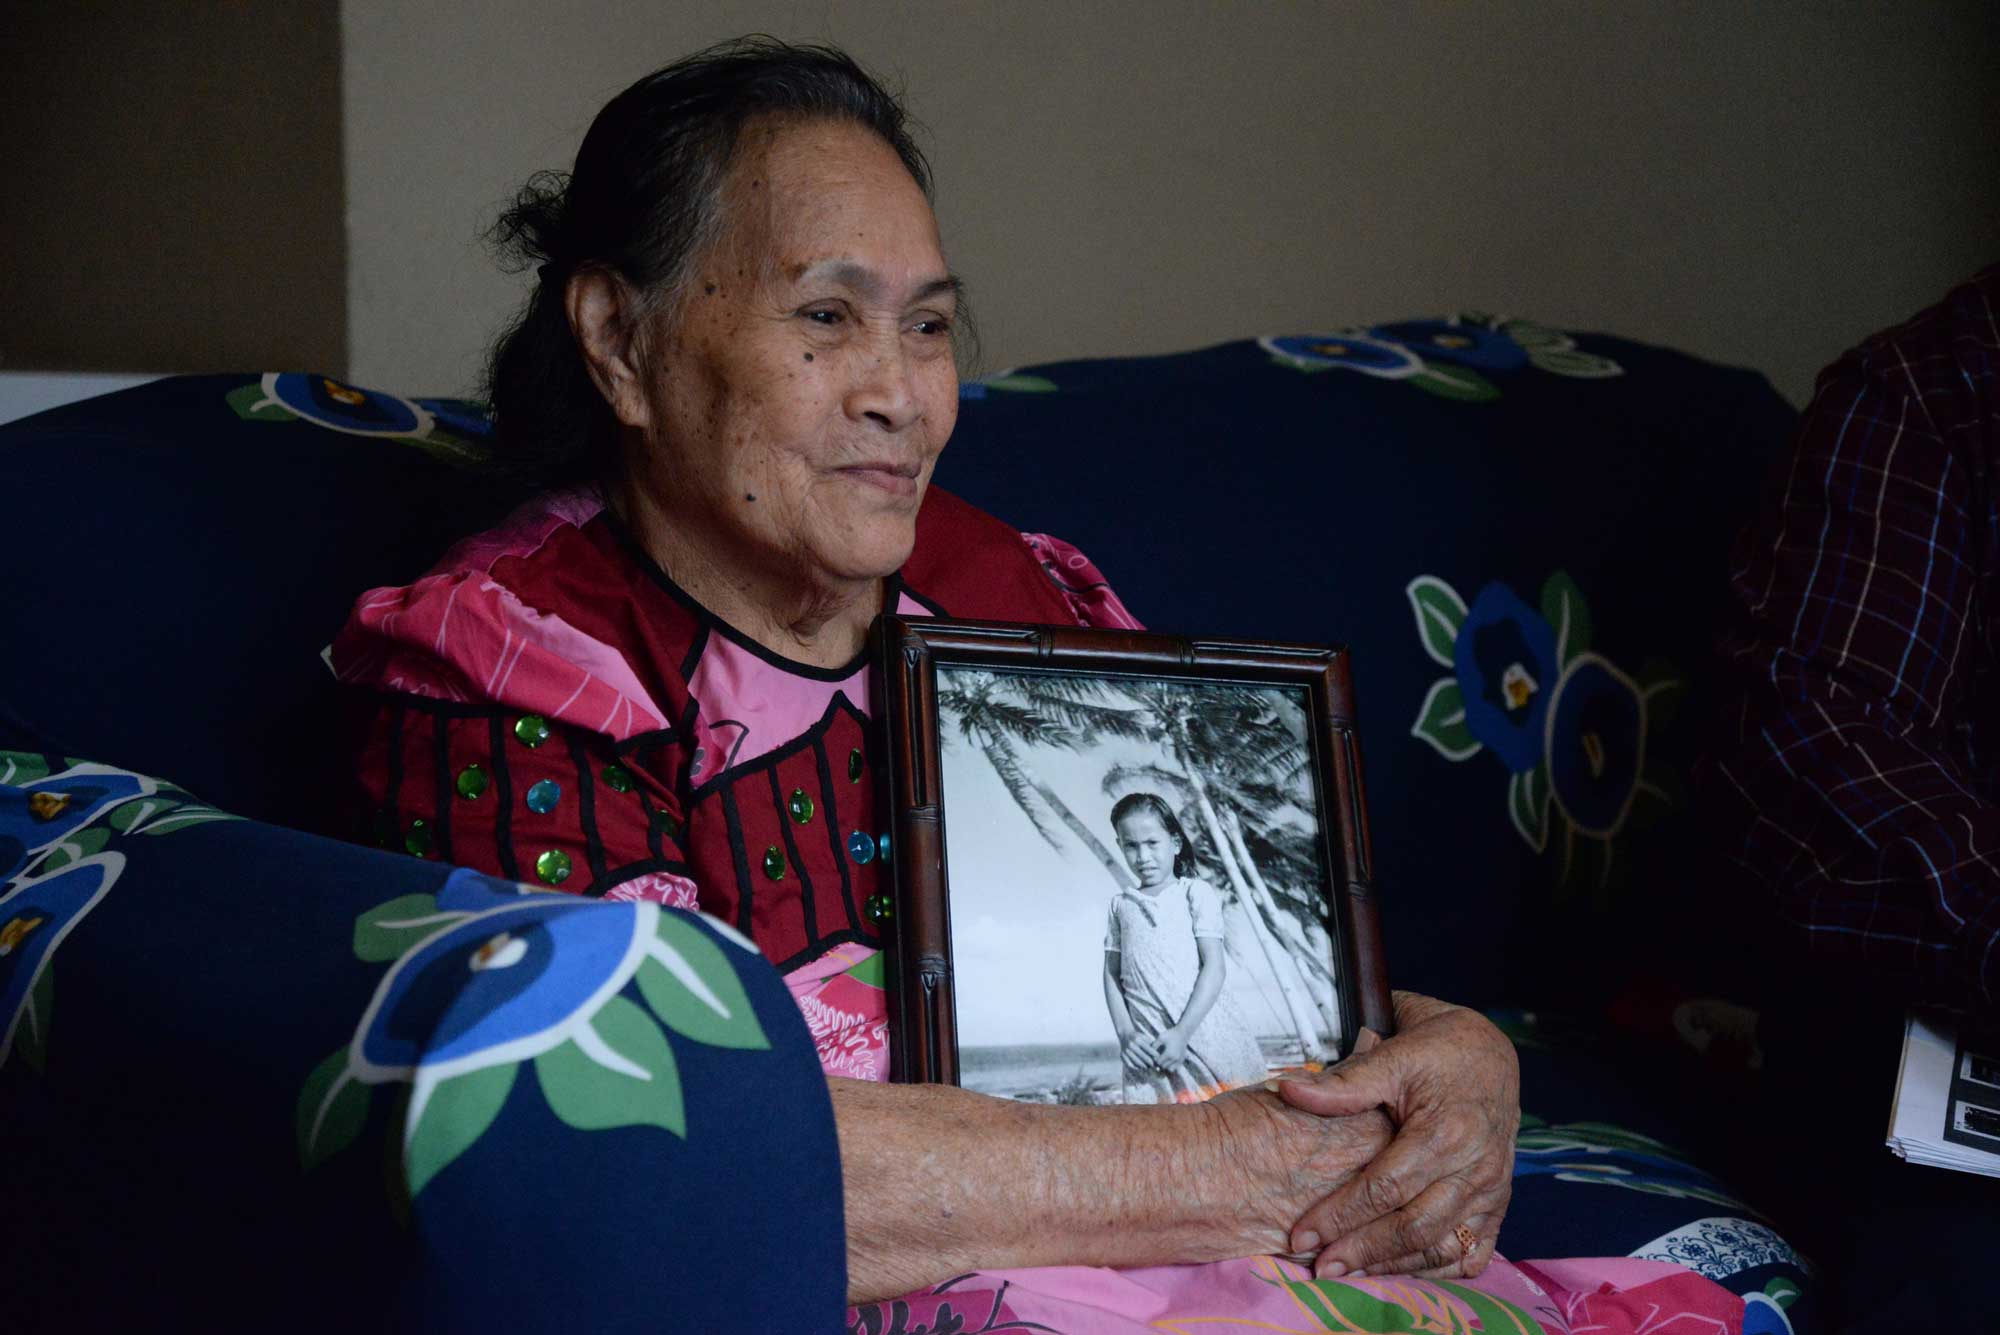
[{"x": 1947, "y": 1108}]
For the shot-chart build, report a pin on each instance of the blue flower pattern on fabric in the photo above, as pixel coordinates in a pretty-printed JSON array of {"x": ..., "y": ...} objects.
[
  {"x": 1450, "y": 358},
  {"x": 55, "y": 867},
  {"x": 35, "y": 916},
  {"x": 1596, "y": 745},
  {"x": 487, "y": 976},
  {"x": 1356, "y": 351},
  {"x": 1600, "y": 1154},
  {"x": 466, "y": 418},
  {"x": 88, "y": 791},
  {"x": 331, "y": 403},
  {"x": 1505, "y": 659},
  {"x": 1568, "y": 725},
  {"x": 1463, "y": 342},
  {"x": 502, "y": 985},
  {"x": 450, "y": 428}
]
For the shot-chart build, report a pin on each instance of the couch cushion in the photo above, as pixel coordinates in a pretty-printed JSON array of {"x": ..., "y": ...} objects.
[
  {"x": 185, "y": 549},
  {"x": 1520, "y": 533},
  {"x": 255, "y": 1078}
]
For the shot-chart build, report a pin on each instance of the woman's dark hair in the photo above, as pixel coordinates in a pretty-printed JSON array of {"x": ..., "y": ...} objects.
[
  {"x": 642, "y": 202},
  {"x": 1153, "y": 802}
]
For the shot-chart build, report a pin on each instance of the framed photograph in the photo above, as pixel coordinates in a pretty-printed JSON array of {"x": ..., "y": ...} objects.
[{"x": 1129, "y": 868}]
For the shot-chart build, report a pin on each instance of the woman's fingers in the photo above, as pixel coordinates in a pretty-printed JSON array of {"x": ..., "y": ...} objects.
[
  {"x": 1419, "y": 1222},
  {"x": 1368, "y": 1079},
  {"x": 1440, "y": 1171},
  {"x": 1450, "y": 1082},
  {"x": 1466, "y": 1250}
]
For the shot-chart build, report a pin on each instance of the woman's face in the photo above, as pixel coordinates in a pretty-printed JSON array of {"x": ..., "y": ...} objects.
[
  {"x": 798, "y": 397},
  {"x": 1149, "y": 850}
]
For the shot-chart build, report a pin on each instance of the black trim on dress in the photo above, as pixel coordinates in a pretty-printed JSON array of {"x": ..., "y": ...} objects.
[
  {"x": 809, "y": 737},
  {"x": 891, "y": 588},
  {"x": 833, "y": 826},
  {"x": 826, "y": 943},
  {"x": 446, "y": 790},
  {"x": 733, "y": 823},
  {"x": 617, "y": 876},
  {"x": 392, "y": 792},
  {"x": 935, "y": 608},
  {"x": 503, "y": 796},
  {"x": 808, "y": 909},
  {"x": 586, "y": 801}
]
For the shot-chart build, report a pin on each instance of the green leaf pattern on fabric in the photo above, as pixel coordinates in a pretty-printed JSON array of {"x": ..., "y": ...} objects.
[
  {"x": 250, "y": 403},
  {"x": 1440, "y": 613},
  {"x": 333, "y": 1107},
  {"x": 1782, "y": 1291},
  {"x": 1407, "y": 1307},
  {"x": 693, "y": 988},
  {"x": 20, "y": 768},
  {"x": 1455, "y": 382},
  {"x": 1016, "y": 382},
  {"x": 183, "y": 818},
  {"x": 384, "y": 932},
  {"x": 1528, "y": 805},
  {"x": 1441, "y": 721},
  {"x": 622, "y": 1074},
  {"x": 31, "y": 1035},
  {"x": 86, "y": 842},
  {"x": 452, "y": 1120}
]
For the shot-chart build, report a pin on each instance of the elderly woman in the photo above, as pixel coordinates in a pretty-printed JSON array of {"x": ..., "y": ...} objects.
[{"x": 734, "y": 377}]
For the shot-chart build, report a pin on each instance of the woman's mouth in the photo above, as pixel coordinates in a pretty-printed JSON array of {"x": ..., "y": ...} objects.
[{"x": 894, "y": 478}]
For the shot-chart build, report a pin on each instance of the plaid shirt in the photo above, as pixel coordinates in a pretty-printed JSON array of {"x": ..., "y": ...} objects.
[{"x": 1855, "y": 775}]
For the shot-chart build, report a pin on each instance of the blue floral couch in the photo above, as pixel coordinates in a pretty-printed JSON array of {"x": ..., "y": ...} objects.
[{"x": 228, "y": 1036}]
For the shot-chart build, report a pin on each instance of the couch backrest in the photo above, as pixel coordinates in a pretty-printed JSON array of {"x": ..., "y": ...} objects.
[{"x": 1519, "y": 533}]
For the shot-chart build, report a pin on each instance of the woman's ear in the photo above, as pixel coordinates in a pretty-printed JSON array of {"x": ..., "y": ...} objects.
[{"x": 604, "y": 317}]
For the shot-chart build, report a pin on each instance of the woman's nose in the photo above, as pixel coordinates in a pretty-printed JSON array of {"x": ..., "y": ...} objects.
[{"x": 884, "y": 392}]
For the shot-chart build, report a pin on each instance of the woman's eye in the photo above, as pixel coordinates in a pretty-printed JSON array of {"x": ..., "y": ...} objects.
[
  {"x": 933, "y": 328},
  {"x": 824, "y": 317}
]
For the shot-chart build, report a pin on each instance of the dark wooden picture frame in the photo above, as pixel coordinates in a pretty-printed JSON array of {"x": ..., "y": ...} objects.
[{"x": 907, "y": 656}]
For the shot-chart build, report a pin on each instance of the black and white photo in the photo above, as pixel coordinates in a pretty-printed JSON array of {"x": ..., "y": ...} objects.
[{"x": 1138, "y": 885}]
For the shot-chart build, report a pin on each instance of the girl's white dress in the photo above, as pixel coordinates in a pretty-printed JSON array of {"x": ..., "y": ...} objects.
[{"x": 1154, "y": 935}]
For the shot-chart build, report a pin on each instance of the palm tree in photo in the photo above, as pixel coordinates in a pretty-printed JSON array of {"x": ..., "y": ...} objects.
[
  {"x": 1200, "y": 728},
  {"x": 995, "y": 714}
]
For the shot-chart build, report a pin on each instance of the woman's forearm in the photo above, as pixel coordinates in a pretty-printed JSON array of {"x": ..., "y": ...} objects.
[{"x": 939, "y": 1181}]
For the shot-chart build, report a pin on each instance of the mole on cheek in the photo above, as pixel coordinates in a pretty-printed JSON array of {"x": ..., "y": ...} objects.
[
  {"x": 710, "y": 289},
  {"x": 809, "y": 356},
  {"x": 750, "y": 497}
]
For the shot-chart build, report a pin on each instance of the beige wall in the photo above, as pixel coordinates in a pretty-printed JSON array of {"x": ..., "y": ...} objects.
[
  {"x": 172, "y": 191},
  {"x": 1761, "y": 184}
]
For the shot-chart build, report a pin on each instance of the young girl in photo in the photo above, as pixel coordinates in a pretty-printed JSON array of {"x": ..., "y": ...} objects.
[{"x": 1181, "y": 1038}]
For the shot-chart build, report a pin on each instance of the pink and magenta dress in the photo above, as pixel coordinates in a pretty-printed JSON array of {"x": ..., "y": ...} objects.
[{"x": 548, "y": 706}]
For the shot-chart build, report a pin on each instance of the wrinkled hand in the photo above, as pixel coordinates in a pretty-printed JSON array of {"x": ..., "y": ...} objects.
[
  {"x": 1282, "y": 1159},
  {"x": 1431, "y": 1204}
]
